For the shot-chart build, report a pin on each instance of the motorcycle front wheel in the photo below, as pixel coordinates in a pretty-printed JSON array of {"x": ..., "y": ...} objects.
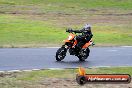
[{"x": 61, "y": 53}]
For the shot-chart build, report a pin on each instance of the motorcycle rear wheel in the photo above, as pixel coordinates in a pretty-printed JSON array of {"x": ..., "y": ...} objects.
[{"x": 83, "y": 54}]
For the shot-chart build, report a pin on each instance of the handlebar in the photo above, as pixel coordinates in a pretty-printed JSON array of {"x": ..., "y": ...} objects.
[{"x": 70, "y": 30}]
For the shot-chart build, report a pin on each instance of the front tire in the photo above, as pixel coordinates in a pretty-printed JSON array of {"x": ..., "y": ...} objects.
[
  {"x": 83, "y": 54},
  {"x": 61, "y": 53}
]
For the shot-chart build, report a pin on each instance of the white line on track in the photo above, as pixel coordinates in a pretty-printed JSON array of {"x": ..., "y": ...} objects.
[
  {"x": 27, "y": 70},
  {"x": 52, "y": 47},
  {"x": 56, "y": 68},
  {"x": 36, "y": 69},
  {"x": 11, "y": 71},
  {"x": 126, "y": 46},
  {"x": 100, "y": 46},
  {"x": 14, "y": 71},
  {"x": 2, "y": 71}
]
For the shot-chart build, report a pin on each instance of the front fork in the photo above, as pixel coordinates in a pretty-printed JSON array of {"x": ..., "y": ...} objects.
[{"x": 64, "y": 47}]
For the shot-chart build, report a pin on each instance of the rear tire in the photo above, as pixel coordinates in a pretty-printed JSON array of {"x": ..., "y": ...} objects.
[
  {"x": 83, "y": 54},
  {"x": 61, "y": 53},
  {"x": 80, "y": 58}
]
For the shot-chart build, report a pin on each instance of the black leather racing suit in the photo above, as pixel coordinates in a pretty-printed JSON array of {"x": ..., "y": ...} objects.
[{"x": 85, "y": 37}]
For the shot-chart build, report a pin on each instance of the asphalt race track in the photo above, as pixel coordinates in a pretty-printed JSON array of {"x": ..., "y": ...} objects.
[{"x": 44, "y": 58}]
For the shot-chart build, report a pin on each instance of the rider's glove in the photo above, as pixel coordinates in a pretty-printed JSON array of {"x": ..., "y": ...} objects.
[{"x": 69, "y": 30}]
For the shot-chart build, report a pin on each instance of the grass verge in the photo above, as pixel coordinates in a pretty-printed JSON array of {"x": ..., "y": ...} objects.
[
  {"x": 38, "y": 23},
  {"x": 43, "y": 78}
]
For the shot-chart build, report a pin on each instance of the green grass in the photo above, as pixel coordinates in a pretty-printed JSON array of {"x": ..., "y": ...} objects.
[
  {"x": 112, "y": 70},
  {"x": 18, "y": 32},
  {"x": 36, "y": 23},
  {"x": 125, "y": 4},
  {"x": 37, "y": 75},
  {"x": 15, "y": 31},
  {"x": 70, "y": 73},
  {"x": 113, "y": 35}
]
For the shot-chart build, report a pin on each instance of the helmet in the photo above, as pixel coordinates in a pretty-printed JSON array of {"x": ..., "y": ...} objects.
[{"x": 87, "y": 26}]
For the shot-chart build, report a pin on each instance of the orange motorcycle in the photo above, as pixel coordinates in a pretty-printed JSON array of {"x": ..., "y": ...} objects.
[{"x": 69, "y": 45}]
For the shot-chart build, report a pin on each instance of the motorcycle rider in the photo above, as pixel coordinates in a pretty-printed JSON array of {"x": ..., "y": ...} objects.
[{"x": 85, "y": 37}]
